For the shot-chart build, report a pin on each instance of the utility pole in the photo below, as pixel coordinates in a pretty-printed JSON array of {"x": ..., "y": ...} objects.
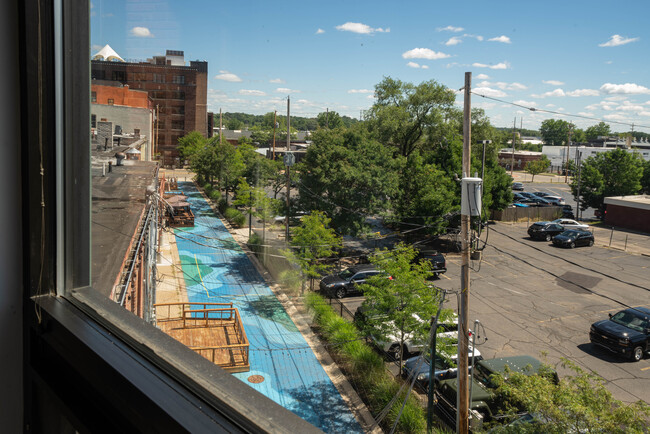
[
  {"x": 275, "y": 113},
  {"x": 462, "y": 402},
  {"x": 286, "y": 218},
  {"x": 512, "y": 161},
  {"x": 578, "y": 195},
  {"x": 568, "y": 148}
]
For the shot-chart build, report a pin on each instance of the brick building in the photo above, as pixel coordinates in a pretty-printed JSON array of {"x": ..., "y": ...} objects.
[
  {"x": 630, "y": 212},
  {"x": 179, "y": 94}
]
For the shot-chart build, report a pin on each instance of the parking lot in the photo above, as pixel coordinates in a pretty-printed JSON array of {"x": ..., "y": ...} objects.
[{"x": 534, "y": 298}]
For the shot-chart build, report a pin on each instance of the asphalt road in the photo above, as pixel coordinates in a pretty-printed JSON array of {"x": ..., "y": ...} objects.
[{"x": 533, "y": 298}]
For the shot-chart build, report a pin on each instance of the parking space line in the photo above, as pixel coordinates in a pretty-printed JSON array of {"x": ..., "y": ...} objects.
[
  {"x": 646, "y": 368},
  {"x": 442, "y": 275}
]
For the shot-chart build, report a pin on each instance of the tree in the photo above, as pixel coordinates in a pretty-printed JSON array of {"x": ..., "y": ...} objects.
[
  {"x": 403, "y": 113},
  {"x": 402, "y": 306},
  {"x": 348, "y": 176},
  {"x": 612, "y": 173},
  {"x": 313, "y": 241},
  {"x": 234, "y": 124},
  {"x": 190, "y": 144},
  {"x": 578, "y": 403},
  {"x": 594, "y": 131},
  {"x": 645, "y": 179},
  {"x": 254, "y": 200},
  {"x": 555, "y": 131},
  {"x": 538, "y": 166},
  {"x": 329, "y": 119}
]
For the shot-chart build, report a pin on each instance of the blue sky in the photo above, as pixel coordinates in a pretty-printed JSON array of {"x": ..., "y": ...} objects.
[{"x": 576, "y": 57}]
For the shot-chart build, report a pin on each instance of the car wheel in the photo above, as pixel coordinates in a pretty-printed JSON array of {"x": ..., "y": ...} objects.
[
  {"x": 637, "y": 354},
  {"x": 548, "y": 237},
  {"x": 393, "y": 352},
  {"x": 340, "y": 292},
  {"x": 436, "y": 275},
  {"x": 572, "y": 245},
  {"x": 591, "y": 243}
]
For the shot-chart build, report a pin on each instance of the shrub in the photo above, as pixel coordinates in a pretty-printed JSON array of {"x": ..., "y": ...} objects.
[
  {"x": 214, "y": 195},
  {"x": 235, "y": 217},
  {"x": 207, "y": 187},
  {"x": 255, "y": 242},
  {"x": 222, "y": 205}
]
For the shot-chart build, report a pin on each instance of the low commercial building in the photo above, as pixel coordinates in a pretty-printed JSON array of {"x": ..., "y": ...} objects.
[{"x": 629, "y": 212}]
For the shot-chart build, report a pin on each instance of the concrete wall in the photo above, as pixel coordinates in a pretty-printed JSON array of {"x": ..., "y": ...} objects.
[{"x": 129, "y": 118}]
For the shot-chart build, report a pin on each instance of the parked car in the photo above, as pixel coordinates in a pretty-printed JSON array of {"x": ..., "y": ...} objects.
[
  {"x": 528, "y": 195},
  {"x": 521, "y": 205},
  {"x": 435, "y": 258},
  {"x": 348, "y": 281},
  {"x": 529, "y": 202},
  {"x": 567, "y": 212},
  {"x": 544, "y": 230},
  {"x": 541, "y": 201},
  {"x": 517, "y": 186},
  {"x": 555, "y": 200},
  {"x": 444, "y": 369},
  {"x": 483, "y": 397},
  {"x": 517, "y": 196},
  {"x": 541, "y": 193},
  {"x": 574, "y": 238},
  {"x": 626, "y": 333},
  {"x": 570, "y": 224}
]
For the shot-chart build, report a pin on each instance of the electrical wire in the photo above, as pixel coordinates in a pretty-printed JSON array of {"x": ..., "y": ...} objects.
[{"x": 533, "y": 109}]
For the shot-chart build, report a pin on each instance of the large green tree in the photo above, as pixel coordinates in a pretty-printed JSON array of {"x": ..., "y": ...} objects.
[
  {"x": 349, "y": 176},
  {"x": 613, "y": 173},
  {"x": 555, "y": 131},
  {"x": 645, "y": 179},
  {"x": 594, "y": 131},
  {"x": 190, "y": 144},
  {"x": 404, "y": 114},
  {"x": 330, "y": 119}
]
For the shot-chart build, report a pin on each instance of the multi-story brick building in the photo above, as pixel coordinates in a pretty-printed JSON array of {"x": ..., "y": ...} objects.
[{"x": 179, "y": 95}]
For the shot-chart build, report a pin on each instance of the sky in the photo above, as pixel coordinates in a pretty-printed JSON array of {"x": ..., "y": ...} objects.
[{"x": 584, "y": 58}]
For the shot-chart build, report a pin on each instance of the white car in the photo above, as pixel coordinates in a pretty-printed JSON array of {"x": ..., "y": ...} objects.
[
  {"x": 555, "y": 200},
  {"x": 570, "y": 224}
]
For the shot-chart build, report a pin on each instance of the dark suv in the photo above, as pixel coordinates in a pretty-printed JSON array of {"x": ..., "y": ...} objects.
[
  {"x": 347, "y": 281},
  {"x": 626, "y": 333},
  {"x": 437, "y": 260},
  {"x": 544, "y": 230}
]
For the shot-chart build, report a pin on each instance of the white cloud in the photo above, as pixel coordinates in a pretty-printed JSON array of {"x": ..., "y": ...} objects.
[
  {"x": 626, "y": 89},
  {"x": 425, "y": 66},
  {"x": 557, "y": 92},
  {"x": 503, "y": 85},
  {"x": 96, "y": 47},
  {"x": 526, "y": 103},
  {"x": 286, "y": 90},
  {"x": 553, "y": 82},
  {"x": 615, "y": 117},
  {"x": 617, "y": 40},
  {"x": 504, "y": 39},
  {"x": 450, "y": 29},
  {"x": 609, "y": 62},
  {"x": 583, "y": 92},
  {"x": 616, "y": 98},
  {"x": 603, "y": 105},
  {"x": 371, "y": 96},
  {"x": 502, "y": 65},
  {"x": 251, "y": 92},
  {"x": 277, "y": 81},
  {"x": 489, "y": 92},
  {"x": 644, "y": 113},
  {"x": 141, "y": 32},
  {"x": 320, "y": 31},
  {"x": 550, "y": 105},
  {"x": 454, "y": 40},
  {"x": 630, "y": 108},
  {"x": 360, "y": 28},
  {"x": 482, "y": 77},
  {"x": 228, "y": 76},
  {"x": 588, "y": 114},
  {"x": 361, "y": 91},
  {"x": 424, "y": 53}
]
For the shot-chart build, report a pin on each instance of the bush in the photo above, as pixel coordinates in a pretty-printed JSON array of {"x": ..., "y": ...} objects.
[
  {"x": 366, "y": 367},
  {"x": 207, "y": 187},
  {"x": 235, "y": 217},
  {"x": 214, "y": 195},
  {"x": 222, "y": 205},
  {"x": 255, "y": 243}
]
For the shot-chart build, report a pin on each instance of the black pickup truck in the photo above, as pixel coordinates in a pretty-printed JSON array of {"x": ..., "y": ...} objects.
[
  {"x": 437, "y": 260},
  {"x": 626, "y": 333}
]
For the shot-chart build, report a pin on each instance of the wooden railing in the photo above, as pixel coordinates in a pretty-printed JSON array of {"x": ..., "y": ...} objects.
[{"x": 207, "y": 315}]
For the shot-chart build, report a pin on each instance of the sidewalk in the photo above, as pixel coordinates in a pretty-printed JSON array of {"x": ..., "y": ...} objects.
[{"x": 542, "y": 178}]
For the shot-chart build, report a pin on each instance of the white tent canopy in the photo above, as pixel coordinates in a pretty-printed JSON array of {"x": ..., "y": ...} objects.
[{"x": 108, "y": 54}]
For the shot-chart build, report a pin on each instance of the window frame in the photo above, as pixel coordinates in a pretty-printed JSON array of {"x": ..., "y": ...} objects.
[{"x": 85, "y": 354}]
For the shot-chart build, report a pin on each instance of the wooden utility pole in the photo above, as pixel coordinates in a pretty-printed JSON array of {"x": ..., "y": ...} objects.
[
  {"x": 288, "y": 168},
  {"x": 568, "y": 149},
  {"x": 462, "y": 401},
  {"x": 514, "y": 139},
  {"x": 275, "y": 113}
]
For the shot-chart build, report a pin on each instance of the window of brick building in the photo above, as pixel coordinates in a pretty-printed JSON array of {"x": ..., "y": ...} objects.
[
  {"x": 178, "y": 124},
  {"x": 111, "y": 101},
  {"x": 178, "y": 79},
  {"x": 159, "y": 78},
  {"x": 93, "y": 96}
]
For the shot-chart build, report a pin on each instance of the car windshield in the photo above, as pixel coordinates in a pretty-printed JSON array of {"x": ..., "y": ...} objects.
[
  {"x": 631, "y": 320},
  {"x": 346, "y": 274},
  {"x": 569, "y": 234},
  {"x": 482, "y": 375}
]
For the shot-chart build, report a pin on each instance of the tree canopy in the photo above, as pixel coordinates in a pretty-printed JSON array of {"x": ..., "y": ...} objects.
[
  {"x": 538, "y": 166},
  {"x": 555, "y": 131},
  {"x": 594, "y": 131},
  {"x": 330, "y": 119}
]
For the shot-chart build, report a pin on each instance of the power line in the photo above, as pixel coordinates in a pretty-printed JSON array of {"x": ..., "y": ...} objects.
[{"x": 533, "y": 109}]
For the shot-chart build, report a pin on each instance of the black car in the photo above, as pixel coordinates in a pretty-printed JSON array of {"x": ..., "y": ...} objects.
[
  {"x": 567, "y": 212},
  {"x": 573, "y": 238},
  {"x": 437, "y": 260},
  {"x": 347, "y": 282},
  {"x": 544, "y": 230},
  {"x": 626, "y": 333}
]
